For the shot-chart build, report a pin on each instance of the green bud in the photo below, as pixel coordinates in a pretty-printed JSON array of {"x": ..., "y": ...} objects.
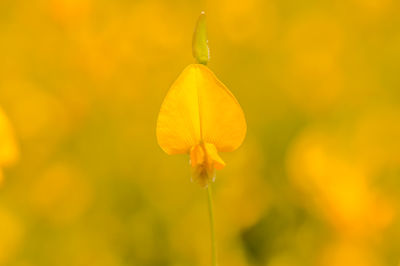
[{"x": 200, "y": 43}]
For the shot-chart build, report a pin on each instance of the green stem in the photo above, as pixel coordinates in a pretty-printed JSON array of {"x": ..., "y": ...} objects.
[{"x": 211, "y": 213}]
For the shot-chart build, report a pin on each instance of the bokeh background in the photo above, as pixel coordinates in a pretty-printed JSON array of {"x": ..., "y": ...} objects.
[{"x": 316, "y": 182}]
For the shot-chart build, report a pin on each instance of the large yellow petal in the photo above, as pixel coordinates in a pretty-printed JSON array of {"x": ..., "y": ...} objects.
[
  {"x": 178, "y": 125},
  {"x": 198, "y": 107},
  {"x": 221, "y": 117}
]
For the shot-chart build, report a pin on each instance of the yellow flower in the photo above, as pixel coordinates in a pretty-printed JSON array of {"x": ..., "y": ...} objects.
[
  {"x": 8, "y": 147},
  {"x": 200, "y": 117}
]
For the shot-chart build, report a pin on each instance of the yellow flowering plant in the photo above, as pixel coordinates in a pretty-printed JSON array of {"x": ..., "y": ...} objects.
[{"x": 201, "y": 117}]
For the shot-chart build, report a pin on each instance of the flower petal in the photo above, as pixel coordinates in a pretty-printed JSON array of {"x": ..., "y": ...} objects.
[
  {"x": 8, "y": 146},
  {"x": 221, "y": 117},
  {"x": 198, "y": 107},
  {"x": 197, "y": 155},
  {"x": 178, "y": 125},
  {"x": 213, "y": 157}
]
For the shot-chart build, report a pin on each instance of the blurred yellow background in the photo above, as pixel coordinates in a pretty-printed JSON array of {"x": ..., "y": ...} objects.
[{"x": 83, "y": 181}]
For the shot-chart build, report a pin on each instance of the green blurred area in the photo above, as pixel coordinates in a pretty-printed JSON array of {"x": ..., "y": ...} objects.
[{"x": 316, "y": 181}]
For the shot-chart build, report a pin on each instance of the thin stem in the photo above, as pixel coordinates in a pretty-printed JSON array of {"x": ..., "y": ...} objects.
[{"x": 211, "y": 214}]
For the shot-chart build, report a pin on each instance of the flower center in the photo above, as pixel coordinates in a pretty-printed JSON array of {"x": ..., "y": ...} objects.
[{"x": 204, "y": 160}]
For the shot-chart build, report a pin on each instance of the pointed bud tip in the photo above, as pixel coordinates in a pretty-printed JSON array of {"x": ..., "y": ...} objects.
[{"x": 200, "y": 42}]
